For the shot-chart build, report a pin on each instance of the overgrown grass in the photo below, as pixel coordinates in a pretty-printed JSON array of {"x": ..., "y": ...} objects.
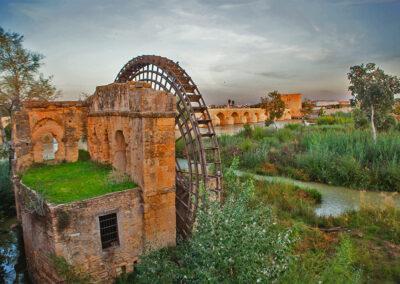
[
  {"x": 69, "y": 182},
  {"x": 336, "y": 118},
  {"x": 333, "y": 154},
  {"x": 364, "y": 249},
  {"x": 268, "y": 232}
]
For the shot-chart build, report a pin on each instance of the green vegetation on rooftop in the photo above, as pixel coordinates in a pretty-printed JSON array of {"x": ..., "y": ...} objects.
[{"x": 68, "y": 182}]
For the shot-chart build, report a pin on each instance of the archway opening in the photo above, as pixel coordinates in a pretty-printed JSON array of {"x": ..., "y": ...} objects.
[
  {"x": 236, "y": 119},
  {"x": 221, "y": 118},
  {"x": 257, "y": 115},
  {"x": 50, "y": 147},
  {"x": 246, "y": 117},
  {"x": 120, "y": 152}
]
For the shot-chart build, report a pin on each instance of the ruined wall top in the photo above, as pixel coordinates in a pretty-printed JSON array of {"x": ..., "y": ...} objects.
[{"x": 130, "y": 97}]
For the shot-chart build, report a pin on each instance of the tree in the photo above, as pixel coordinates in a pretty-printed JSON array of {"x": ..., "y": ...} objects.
[
  {"x": 274, "y": 105},
  {"x": 306, "y": 108},
  {"x": 19, "y": 75},
  {"x": 396, "y": 107},
  {"x": 373, "y": 91}
]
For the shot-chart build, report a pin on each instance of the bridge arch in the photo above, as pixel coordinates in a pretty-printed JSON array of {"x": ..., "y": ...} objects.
[
  {"x": 236, "y": 118},
  {"x": 222, "y": 119},
  {"x": 246, "y": 117}
]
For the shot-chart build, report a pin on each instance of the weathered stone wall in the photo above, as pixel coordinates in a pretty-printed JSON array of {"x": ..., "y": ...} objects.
[
  {"x": 292, "y": 104},
  {"x": 38, "y": 235},
  {"x": 72, "y": 231},
  {"x": 78, "y": 240},
  {"x": 146, "y": 120},
  {"x": 128, "y": 125},
  {"x": 65, "y": 121}
]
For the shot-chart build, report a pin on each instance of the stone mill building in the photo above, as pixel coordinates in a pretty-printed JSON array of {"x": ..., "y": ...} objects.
[{"x": 127, "y": 125}]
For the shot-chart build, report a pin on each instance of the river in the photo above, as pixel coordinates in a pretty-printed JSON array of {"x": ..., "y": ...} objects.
[{"x": 12, "y": 258}]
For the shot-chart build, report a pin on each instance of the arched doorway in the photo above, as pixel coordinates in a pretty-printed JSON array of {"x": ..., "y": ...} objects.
[
  {"x": 50, "y": 147},
  {"x": 119, "y": 162}
]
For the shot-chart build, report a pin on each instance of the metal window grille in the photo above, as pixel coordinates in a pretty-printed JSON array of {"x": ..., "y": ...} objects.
[{"x": 109, "y": 230}]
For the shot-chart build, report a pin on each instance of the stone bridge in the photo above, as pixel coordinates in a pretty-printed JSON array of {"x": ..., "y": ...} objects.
[{"x": 228, "y": 116}]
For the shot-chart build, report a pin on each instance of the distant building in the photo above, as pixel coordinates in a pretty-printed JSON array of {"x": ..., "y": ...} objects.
[{"x": 292, "y": 105}]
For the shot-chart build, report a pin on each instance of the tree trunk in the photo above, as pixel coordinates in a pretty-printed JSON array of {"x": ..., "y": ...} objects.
[{"x": 373, "y": 123}]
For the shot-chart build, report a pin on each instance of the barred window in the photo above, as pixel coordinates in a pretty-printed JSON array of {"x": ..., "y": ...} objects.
[{"x": 109, "y": 230}]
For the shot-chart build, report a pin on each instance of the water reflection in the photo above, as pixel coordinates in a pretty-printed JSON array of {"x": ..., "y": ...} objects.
[
  {"x": 337, "y": 200},
  {"x": 12, "y": 257}
]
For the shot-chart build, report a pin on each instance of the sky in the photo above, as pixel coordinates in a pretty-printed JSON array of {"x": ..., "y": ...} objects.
[{"x": 232, "y": 49}]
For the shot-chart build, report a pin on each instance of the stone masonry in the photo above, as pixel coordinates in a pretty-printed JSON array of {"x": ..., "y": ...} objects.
[{"x": 128, "y": 125}]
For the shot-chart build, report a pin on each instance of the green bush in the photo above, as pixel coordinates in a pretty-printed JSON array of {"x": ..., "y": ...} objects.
[
  {"x": 237, "y": 242},
  {"x": 337, "y": 118}
]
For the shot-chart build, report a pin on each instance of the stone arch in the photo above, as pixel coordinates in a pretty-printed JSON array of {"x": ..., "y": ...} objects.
[
  {"x": 221, "y": 118},
  {"x": 257, "y": 116},
  {"x": 120, "y": 159},
  {"x": 246, "y": 117},
  {"x": 236, "y": 118},
  {"x": 46, "y": 132}
]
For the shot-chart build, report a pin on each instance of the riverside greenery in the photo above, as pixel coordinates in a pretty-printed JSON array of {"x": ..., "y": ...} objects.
[
  {"x": 238, "y": 242},
  {"x": 334, "y": 154},
  {"x": 268, "y": 232}
]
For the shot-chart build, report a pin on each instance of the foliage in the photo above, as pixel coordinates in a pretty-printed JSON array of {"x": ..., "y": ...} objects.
[
  {"x": 374, "y": 91},
  {"x": 335, "y": 154},
  {"x": 336, "y": 118},
  {"x": 180, "y": 149},
  {"x": 307, "y": 107},
  {"x": 365, "y": 251},
  {"x": 7, "y": 205},
  {"x": 69, "y": 182},
  {"x": 273, "y": 105},
  {"x": 396, "y": 107},
  {"x": 223, "y": 246},
  {"x": 19, "y": 74},
  {"x": 70, "y": 274}
]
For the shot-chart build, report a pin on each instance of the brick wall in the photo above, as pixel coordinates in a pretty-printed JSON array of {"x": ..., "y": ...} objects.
[{"x": 72, "y": 231}]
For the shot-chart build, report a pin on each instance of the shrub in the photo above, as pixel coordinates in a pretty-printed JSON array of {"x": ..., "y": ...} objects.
[{"x": 223, "y": 246}]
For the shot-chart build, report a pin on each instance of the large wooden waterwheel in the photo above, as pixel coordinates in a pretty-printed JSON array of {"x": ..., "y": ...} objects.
[{"x": 195, "y": 130}]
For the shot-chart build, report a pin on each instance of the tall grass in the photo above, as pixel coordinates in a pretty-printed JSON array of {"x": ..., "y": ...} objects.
[
  {"x": 334, "y": 154},
  {"x": 352, "y": 159}
]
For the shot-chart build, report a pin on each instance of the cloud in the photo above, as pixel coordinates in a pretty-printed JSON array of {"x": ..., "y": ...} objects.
[{"x": 235, "y": 48}]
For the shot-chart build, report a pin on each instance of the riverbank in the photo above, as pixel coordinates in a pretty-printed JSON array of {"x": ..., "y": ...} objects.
[
  {"x": 355, "y": 247},
  {"x": 332, "y": 154},
  {"x": 335, "y": 200}
]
